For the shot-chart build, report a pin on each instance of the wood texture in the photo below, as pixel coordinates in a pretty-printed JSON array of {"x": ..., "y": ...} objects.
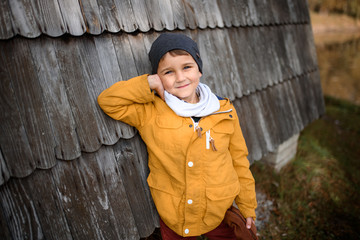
[
  {"x": 6, "y": 29},
  {"x": 160, "y": 12},
  {"x": 55, "y": 97},
  {"x": 14, "y": 140},
  {"x": 31, "y": 18},
  {"x": 49, "y": 16},
  {"x": 46, "y": 206},
  {"x": 110, "y": 14},
  {"x": 82, "y": 199},
  {"x": 133, "y": 170},
  {"x": 4, "y": 171},
  {"x": 91, "y": 14},
  {"x": 269, "y": 116},
  {"x": 75, "y": 71},
  {"x": 127, "y": 19},
  {"x": 26, "y": 108},
  {"x": 142, "y": 19},
  {"x": 111, "y": 74},
  {"x": 86, "y": 200},
  {"x": 24, "y": 20},
  {"x": 178, "y": 14},
  {"x": 72, "y": 17}
]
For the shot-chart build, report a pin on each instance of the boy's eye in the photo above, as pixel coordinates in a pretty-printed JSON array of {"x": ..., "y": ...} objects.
[
  {"x": 168, "y": 72},
  {"x": 187, "y": 67}
]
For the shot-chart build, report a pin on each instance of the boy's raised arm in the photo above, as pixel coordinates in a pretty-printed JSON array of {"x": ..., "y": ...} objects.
[{"x": 128, "y": 101}]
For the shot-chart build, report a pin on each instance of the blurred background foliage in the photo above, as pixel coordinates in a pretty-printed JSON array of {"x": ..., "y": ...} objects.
[
  {"x": 348, "y": 7},
  {"x": 317, "y": 195}
]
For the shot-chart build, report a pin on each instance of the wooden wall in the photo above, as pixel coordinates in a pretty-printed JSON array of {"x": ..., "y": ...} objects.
[{"x": 67, "y": 171}]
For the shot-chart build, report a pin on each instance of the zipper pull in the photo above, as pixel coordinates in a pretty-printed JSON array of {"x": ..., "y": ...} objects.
[
  {"x": 210, "y": 141},
  {"x": 198, "y": 130}
]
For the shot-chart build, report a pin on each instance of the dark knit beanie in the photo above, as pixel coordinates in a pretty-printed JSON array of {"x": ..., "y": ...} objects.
[{"x": 171, "y": 41}]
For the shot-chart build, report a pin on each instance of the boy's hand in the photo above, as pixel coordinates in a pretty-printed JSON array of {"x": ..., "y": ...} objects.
[
  {"x": 156, "y": 84},
  {"x": 249, "y": 220}
]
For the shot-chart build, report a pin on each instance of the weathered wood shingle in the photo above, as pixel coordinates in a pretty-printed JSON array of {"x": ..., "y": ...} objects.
[
  {"x": 31, "y": 18},
  {"x": 91, "y": 197}
]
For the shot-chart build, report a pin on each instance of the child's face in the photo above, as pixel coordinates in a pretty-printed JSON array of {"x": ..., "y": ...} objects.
[{"x": 180, "y": 76}]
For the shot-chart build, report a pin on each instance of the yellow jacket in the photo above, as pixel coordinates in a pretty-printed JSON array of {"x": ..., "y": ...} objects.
[{"x": 192, "y": 185}]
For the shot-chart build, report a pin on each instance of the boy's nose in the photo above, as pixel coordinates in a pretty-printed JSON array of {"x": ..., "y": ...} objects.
[{"x": 180, "y": 76}]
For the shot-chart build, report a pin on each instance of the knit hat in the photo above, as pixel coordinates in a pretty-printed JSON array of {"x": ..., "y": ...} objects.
[{"x": 171, "y": 41}]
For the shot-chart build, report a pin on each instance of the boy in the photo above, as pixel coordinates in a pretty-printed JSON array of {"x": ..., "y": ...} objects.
[{"x": 197, "y": 154}]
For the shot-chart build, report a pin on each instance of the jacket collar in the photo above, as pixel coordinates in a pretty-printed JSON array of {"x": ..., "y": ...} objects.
[{"x": 225, "y": 112}]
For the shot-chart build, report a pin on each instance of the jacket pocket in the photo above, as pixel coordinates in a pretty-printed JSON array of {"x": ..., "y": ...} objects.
[
  {"x": 221, "y": 134},
  {"x": 167, "y": 131},
  {"x": 169, "y": 122},
  {"x": 168, "y": 199},
  {"x": 218, "y": 200},
  {"x": 225, "y": 127}
]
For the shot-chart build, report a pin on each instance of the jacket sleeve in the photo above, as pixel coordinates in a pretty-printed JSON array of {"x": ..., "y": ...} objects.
[
  {"x": 129, "y": 101},
  {"x": 246, "y": 199}
]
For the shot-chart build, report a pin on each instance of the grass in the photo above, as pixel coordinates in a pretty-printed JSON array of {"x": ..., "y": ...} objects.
[{"x": 317, "y": 195}]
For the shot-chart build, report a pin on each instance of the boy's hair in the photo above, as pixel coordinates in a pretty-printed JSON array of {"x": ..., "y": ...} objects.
[
  {"x": 177, "y": 52},
  {"x": 167, "y": 42}
]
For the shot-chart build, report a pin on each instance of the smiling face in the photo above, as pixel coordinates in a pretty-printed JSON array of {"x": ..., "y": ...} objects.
[{"x": 180, "y": 75}]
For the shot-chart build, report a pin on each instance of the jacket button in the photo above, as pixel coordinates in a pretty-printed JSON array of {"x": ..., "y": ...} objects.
[
  {"x": 230, "y": 115},
  {"x": 190, "y": 164},
  {"x": 190, "y": 125},
  {"x": 186, "y": 231},
  {"x": 190, "y": 201}
]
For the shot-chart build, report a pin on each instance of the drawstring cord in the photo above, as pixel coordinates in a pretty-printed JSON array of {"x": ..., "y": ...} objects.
[
  {"x": 198, "y": 130},
  {"x": 210, "y": 141}
]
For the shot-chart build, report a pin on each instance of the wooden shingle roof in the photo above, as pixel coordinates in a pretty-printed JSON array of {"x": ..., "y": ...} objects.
[
  {"x": 57, "y": 145},
  {"x": 54, "y": 18}
]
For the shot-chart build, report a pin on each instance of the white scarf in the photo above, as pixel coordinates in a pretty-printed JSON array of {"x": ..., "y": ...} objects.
[{"x": 208, "y": 103}]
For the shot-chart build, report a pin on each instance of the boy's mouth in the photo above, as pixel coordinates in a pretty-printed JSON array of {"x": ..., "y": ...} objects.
[{"x": 183, "y": 86}]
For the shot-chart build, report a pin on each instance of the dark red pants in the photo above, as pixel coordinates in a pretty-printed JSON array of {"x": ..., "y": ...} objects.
[{"x": 223, "y": 231}]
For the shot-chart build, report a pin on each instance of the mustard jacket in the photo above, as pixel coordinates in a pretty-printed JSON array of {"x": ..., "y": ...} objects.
[{"x": 192, "y": 185}]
